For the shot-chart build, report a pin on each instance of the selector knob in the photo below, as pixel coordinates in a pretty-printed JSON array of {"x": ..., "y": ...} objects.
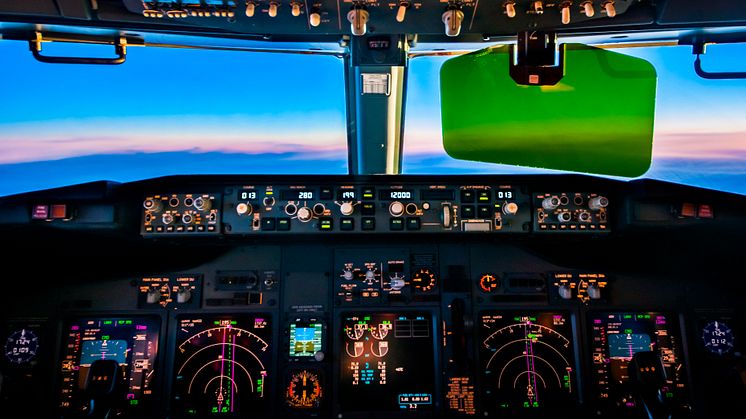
[
  {"x": 183, "y": 295},
  {"x": 268, "y": 201},
  {"x": 565, "y": 292},
  {"x": 272, "y": 12},
  {"x": 510, "y": 9},
  {"x": 396, "y": 209},
  {"x": 564, "y": 217},
  {"x": 401, "y": 12},
  {"x": 348, "y": 275},
  {"x": 305, "y": 214},
  {"x": 244, "y": 209},
  {"x": 511, "y": 208},
  {"x": 153, "y": 296},
  {"x": 370, "y": 275},
  {"x": 358, "y": 19},
  {"x": 187, "y": 218},
  {"x": 550, "y": 203},
  {"x": 397, "y": 283},
  {"x": 167, "y": 219},
  {"x": 153, "y": 205},
  {"x": 250, "y": 9},
  {"x": 295, "y": 9},
  {"x": 202, "y": 204},
  {"x": 594, "y": 291},
  {"x": 346, "y": 208},
  {"x": 584, "y": 217},
  {"x": 314, "y": 19},
  {"x": 452, "y": 19},
  {"x": 597, "y": 203}
]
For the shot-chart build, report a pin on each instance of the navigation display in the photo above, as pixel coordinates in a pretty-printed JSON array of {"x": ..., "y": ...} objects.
[
  {"x": 617, "y": 337},
  {"x": 222, "y": 365},
  {"x": 527, "y": 359},
  {"x": 132, "y": 342},
  {"x": 386, "y": 362}
]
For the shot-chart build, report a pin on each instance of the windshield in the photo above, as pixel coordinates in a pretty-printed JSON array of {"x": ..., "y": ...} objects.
[
  {"x": 167, "y": 111},
  {"x": 700, "y": 129},
  {"x": 181, "y": 111}
]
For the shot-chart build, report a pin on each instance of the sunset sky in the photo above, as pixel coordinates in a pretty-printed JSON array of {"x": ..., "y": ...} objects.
[{"x": 178, "y": 111}]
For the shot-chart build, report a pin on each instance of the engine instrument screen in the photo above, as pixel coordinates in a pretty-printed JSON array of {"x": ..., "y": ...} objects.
[
  {"x": 306, "y": 339},
  {"x": 221, "y": 365},
  {"x": 131, "y": 342},
  {"x": 387, "y": 362},
  {"x": 528, "y": 360},
  {"x": 616, "y": 337}
]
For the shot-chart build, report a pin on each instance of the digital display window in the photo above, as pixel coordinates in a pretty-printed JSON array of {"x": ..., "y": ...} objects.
[{"x": 306, "y": 339}]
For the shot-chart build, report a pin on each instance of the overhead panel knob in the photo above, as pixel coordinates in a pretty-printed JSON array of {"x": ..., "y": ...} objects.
[
  {"x": 314, "y": 19},
  {"x": 510, "y": 9},
  {"x": 565, "y": 292},
  {"x": 250, "y": 9},
  {"x": 396, "y": 208},
  {"x": 295, "y": 9},
  {"x": 358, "y": 19},
  {"x": 183, "y": 295},
  {"x": 588, "y": 9},
  {"x": 550, "y": 203},
  {"x": 153, "y": 296},
  {"x": 452, "y": 19},
  {"x": 511, "y": 208},
  {"x": 401, "y": 12},
  {"x": 610, "y": 9},
  {"x": 272, "y": 12},
  {"x": 598, "y": 202}
]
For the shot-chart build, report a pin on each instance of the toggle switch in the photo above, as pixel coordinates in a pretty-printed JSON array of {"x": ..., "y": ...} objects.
[
  {"x": 401, "y": 11},
  {"x": 538, "y": 7},
  {"x": 452, "y": 19},
  {"x": 295, "y": 9},
  {"x": 358, "y": 19},
  {"x": 250, "y": 9},
  {"x": 510, "y": 9},
  {"x": 588, "y": 9},
  {"x": 314, "y": 19},
  {"x": 610, "y": 9},
  {"x": 565, "y": 11},
  {"x": 272, "y": 12}
]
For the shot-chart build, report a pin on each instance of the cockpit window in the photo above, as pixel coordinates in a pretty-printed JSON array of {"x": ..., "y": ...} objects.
[
  {"x": 700, "y": 132},
  {"x": 165, "y": 112}
]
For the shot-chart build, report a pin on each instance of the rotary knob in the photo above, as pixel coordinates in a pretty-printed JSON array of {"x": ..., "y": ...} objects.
[
  {"x": 564, "y": 292},
  {"x": 305, "y": 214},
  {"x": 153, "y": 205},
  {"x": 347, "y": 208},
  {"x": 183, "y": 295},
  {"x": 550, "y": 203},
  {"x": 564, "y": 217},
  {"x": 452, "y": 19},
  {"x": 396, "y": 209},
  {"x": 244, "y": 209},
  {"x": 358, "y": 19},
  {"x": 511, "y": 208},
  {"x": 153, "y": 296},
  {"x": 348, "y": 275},
  {"x": 597, "y": 203}
]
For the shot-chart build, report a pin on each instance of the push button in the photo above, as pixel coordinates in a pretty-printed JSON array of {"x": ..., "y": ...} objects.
[
  {"x": 369, "y": 223},
  {"x": 396, "y": 224},
  {"x": 268, "y": 224},
  {"x": 483, "y": 211},
  {"x": 325, "y": 224},
  {"x": 283, "y": 224},
  {"x": 467, "y": 211},
  {"x": 413, "y": 223},
  {"x": 467, "y": 196},
  {"x": 347, "y": 224}
]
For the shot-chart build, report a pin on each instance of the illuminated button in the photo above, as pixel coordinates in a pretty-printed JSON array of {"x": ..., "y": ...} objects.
[
  {"x": 368, "y": 223},
  {"x": 483, "y": 211},
  {"x": 40, "y": 212},
  {"x": 396, "y": 224},
  {"x": 326, "y": 193},
  {"x": 483, "y": 196},
  {"x": 368, "y": 208},
  {"x": 688, "y": 210},
  {"x": 268, "y": 224},
  {"x": 467, "y": 196},
  {"x": 347, "y": 224},
  {"x": 467, "y": 211},
  {"x": 326, "y": 224},
  {"x": 58, "y": 212},
  {"x": 283, "y": 224},
  {"x": 369, "y": 193},
  {"x": 413, "y": 223},
  {"x": 705, "y": 211}
]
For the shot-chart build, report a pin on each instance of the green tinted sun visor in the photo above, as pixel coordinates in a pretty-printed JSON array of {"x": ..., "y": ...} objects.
[{"x": 597, "y": 119}]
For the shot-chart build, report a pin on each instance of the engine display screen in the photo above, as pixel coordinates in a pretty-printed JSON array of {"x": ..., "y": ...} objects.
[
  {"x": 617, "y": 337},
  {"x": 387, "y": 361},
  {"x": 131, "y": 342},
  {"x": 527, "y": 359},
  {"x": 306, "y": 339},
  {"x": 221, "y": 365}
]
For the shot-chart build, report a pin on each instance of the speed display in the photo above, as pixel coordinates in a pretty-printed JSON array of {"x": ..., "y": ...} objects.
[
  {"x": 387, "y": 361},
  {"x": 221, "y": 365},
  {"x": 527, "y": 360}
]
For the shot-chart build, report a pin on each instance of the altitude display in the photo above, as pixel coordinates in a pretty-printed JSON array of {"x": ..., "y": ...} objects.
[
  {"x": 305, "y": 339},
  {"x": 617, "y": 337},
  {"x": 387, "y": 362},
  {"x": 527, "y": 360},
  {"x": 221, "y": 365},
  {"x": 131, "y": 342}
]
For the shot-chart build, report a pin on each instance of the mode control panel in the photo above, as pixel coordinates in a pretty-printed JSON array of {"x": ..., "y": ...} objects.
[
  {"x": 581, "y": 212},
  {"x": 374, "y": 208}
]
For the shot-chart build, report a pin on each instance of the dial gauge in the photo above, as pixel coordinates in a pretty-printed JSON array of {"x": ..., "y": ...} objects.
[
  {"x": 222, "y": 365},
  {"x": 304, "y": 391},
  {"x": 423, "y": 280},
  {"x": 488, "y": 282},
  {"x": 21, "y": 346},
  {"x": 527, "y": 360},
  {"x": 718, "y": 338}
]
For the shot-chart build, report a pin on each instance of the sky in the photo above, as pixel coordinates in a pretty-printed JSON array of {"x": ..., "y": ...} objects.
[{"x": 168, "y": 111}]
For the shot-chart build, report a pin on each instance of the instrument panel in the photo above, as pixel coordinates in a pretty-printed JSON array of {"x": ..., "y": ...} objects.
[{"x": 242, "y": 321}]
